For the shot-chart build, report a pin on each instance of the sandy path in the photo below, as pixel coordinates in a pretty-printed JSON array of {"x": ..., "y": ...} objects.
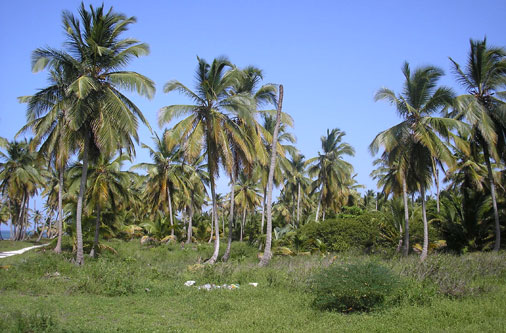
[{"x": 13, "y": 253}]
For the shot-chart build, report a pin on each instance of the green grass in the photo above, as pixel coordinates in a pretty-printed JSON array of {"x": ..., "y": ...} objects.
[
  {"x": 141, "y": 290},
  {"x": 8, "y": 245}
]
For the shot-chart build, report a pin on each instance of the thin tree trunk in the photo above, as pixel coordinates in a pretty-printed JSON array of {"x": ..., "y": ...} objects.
[
  {"x": 190, "y": 222},
  {"x": 268, "y": 240},
  {"x": 97, "y": 229},
  {"x": 323, "y": 215},
  {"x": 19, "y": 223},
  {"x": 263, "y": 211},
  {"x": 80, "y": 198},
  {"x": 170, "y": 213},
  {"x": 319, "y": 202},
  {"x": 216, "y": 252},
  {"x": 242, "y": 223},
  {"x": 42, "y": 229},
  {"x": 57, "y": 249},
  {"x": 437, "y": 189},
  {"x": 226, "y": 256},
  {"x": 406, "y": 216},
  {"x": 298, "y": 205},
  {"x": 425, "y": 248},
  {"x": 486, "y": 154},
  {"x": 212, "y": 227}
]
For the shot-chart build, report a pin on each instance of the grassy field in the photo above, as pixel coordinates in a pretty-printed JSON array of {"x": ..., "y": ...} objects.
[
  {"x": 8, "y": 245},
  {"x": 141, "y": 289}
]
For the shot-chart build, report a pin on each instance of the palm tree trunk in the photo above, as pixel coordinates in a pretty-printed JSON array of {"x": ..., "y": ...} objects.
[
  {"x": 437, "y": 189},
  {"x": 230, "y": 219},
  {"x": 406, "y": 216},
  {"x": 20, "y": 219},
  {"x": 97, "y": 229},
  {"x": 80, "y": 198},
  {"x": 42, "y": 229},
  {"x": 486, "y": 154},
  {"x": 298, "y": 205},
  {"x": 216, "y": 252},
  {"x": 268, "y": 240},
  {"x": 319, "y": 203},
  {"x": 263, "y": 212},
  {"x": 323, "y": 215},
  {"x": 170, "y": 213},
  {"x": 57, "y": 249},
  {"x": 425, "y": 248},
  {"x": 190, "y": 222},
  {"x": 212, "y": 227},
  {"x": 243, "y": 222}
]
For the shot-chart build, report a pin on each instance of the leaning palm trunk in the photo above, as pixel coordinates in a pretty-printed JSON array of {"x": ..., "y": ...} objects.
[
  {"x": 497, "y": 245},
  {"x": 97, "y": 229},
  {"x": 17, "y": 228},
  {"x": 79, "y": 213},
  {"x": 425, "y": 248},
  {"x": 406, "y": 216},
  {"x": 230, "y": 221},
  {"x": 268, "y": 240},
  {"x": 57, "y": 249}
]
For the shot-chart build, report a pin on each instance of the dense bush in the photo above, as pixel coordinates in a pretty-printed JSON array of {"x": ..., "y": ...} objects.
[
  {"x": 344, "y": 232},
  {"x": 353, "y": 287}
]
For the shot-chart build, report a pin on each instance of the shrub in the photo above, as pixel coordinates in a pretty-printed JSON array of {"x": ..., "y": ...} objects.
[
  {"x": 344, "y": 232},
  {"x": 353, "y": 287}
]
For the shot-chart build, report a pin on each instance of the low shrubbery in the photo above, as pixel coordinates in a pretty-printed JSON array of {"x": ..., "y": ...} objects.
[
  {"x": 343, "y": 232},
  {"x": 353, "y": 287}
]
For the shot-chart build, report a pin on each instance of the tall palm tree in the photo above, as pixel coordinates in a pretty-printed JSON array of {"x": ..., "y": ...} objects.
[
  {"x": 413, "y": 144},
  {"x": 331, "y": 171},
  {"x": 101, "y": 116},
  {"x": 270, "y": 180},
  {"x": 48, "y": 119},
  {"x": 253, "y": 131},
  {"x": 484, "y": 107},
  {"x": 207, "y": 124}
]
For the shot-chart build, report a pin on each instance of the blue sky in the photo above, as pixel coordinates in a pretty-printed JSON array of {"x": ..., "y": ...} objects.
[{"x": 331, "y": 56}]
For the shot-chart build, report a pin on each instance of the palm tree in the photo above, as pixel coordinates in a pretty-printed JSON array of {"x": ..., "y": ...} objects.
[
  {"x": 483, "y": 76},
  {"x": 413, "y": 144},
  {"x": 107, "y": 185},
  {"x": 20, "y": 176},
  {"x": 296, "y": 182},
  {"x": 247, "y": 195},
  {"x": 165, "y": 175},
  {"x": 270, "y": 180},
  {"x": 47, "y": 117},
  {"x": 331, "y": 170},
  {"x": 207, "y": 124},
  {"x": 102, "y": 117}
]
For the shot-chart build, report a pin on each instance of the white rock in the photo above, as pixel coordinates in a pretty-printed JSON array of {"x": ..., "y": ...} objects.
[
  {"x": 254, "y": 284},
  {"x": 189, "y": 283}
]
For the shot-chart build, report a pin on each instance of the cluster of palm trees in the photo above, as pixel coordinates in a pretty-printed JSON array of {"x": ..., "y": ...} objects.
[
  {"x": 85, "y": 129},
  {"x": 470, "y": 132}
]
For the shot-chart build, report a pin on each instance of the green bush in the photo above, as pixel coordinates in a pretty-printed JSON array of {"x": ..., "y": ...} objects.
[
  {"x": 353, "y": 287},
  {"x": 344, "y": 233}
]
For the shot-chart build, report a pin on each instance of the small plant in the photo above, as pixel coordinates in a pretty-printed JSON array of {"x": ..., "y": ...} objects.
[{"x": 353, "y": 287}]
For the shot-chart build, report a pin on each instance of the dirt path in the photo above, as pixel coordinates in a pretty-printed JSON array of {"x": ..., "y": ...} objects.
[{"x": 13, "y": 253}]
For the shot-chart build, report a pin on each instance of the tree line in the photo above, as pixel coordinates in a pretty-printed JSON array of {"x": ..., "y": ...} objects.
[{"x": 85, "y": 128}]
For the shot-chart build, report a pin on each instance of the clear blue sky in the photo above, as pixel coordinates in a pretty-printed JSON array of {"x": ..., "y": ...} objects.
[{"x": 331, "y": 56}]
